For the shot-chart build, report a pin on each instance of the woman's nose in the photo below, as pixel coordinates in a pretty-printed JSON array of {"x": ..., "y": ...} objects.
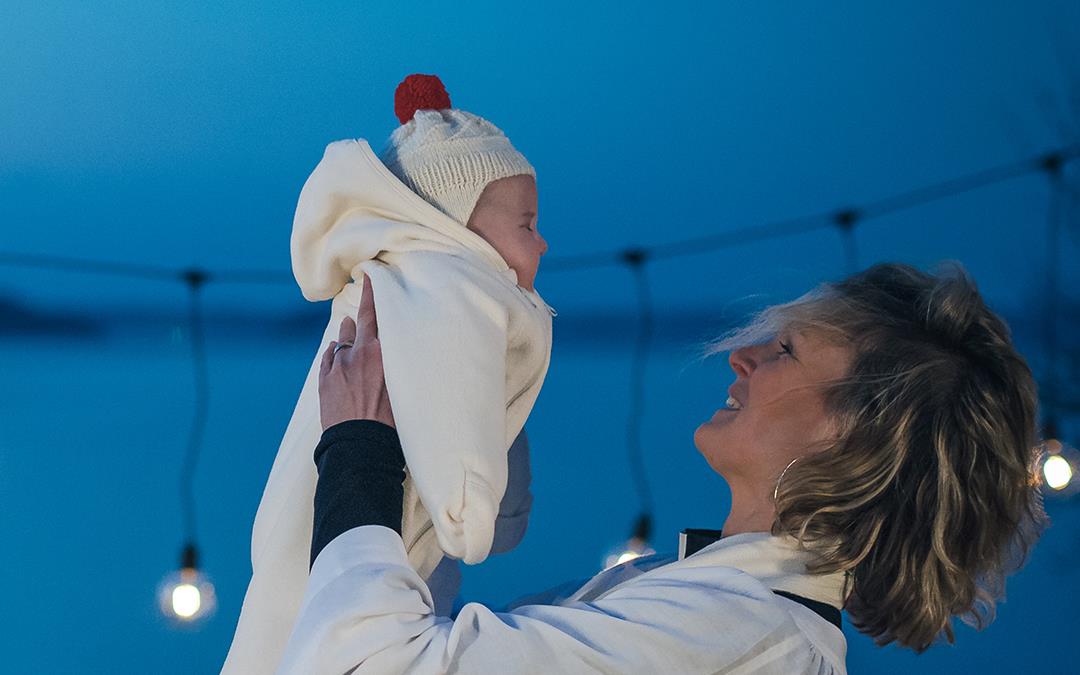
[{"x": 743, "y": 361}]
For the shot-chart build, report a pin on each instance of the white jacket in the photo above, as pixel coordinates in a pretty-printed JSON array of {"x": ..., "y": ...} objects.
[
  {"x": 366, "y": 611},
  {"x": 465, "y": 352}
]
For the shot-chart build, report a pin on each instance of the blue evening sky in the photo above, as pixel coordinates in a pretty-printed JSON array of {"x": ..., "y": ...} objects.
[{"x": 179, "y": 134}]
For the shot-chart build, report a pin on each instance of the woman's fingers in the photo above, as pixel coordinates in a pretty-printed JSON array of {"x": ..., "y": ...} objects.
[
  {"x": 365, "y": 318},
  {"x": 347, "y": 331},
  {"x": 353, "y": 385},
  {"x": 327, "y": 359}
]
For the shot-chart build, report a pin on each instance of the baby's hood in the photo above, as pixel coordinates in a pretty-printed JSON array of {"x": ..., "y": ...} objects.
[{"x": 352, "y": 208}]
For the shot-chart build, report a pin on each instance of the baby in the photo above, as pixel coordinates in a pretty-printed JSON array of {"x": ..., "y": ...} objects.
[{"x": 443, "y": 227}]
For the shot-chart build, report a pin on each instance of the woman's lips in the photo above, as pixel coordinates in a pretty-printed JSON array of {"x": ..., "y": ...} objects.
[{"x": 722, "y": 412}]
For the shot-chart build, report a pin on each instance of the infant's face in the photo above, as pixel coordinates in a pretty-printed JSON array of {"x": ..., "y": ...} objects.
[{"x": 505, "y": 216}]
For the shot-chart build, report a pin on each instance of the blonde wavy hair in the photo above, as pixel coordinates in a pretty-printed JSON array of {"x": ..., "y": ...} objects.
[{"x": 927, "y": 497}]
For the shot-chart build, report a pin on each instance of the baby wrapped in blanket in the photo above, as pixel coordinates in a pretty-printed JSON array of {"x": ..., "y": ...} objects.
[{"x": 444, "y": 228}]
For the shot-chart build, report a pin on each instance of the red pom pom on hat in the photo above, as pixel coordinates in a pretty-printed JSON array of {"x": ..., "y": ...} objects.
[{"x": 419, "y": 92}]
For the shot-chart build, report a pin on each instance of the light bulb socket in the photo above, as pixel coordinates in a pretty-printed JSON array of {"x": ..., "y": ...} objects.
[
  {"x": 634, "y": 256},
  {"x": 1050, "y": 428},
  {"x": 189, "y": 557},
  {"x": 195, "y": 277},
  {"x": 643, "y": 527},
  {"x": 845, "y": 219},
  {"x": 1052, "y": 163}
]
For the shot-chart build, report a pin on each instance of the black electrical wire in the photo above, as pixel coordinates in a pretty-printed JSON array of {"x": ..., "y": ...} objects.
[
  {"x": 692, "y": 246},
  {"x": 1054, "y": 213},
  {"x": 962, "y": 184},
  {"x": 802, "y": 224},
  {"x": 636, "y": 260},
  {"x": 254, "y": 277},
  {"x": 195, "y": 279},
  {"x": 88, "y": 266},
  {"x": 845, "y": 222},
  {"x": 151, "y": 272}
]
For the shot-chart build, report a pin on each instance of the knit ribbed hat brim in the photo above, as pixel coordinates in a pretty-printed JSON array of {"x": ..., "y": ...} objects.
[{"x": 449, "y": 156}]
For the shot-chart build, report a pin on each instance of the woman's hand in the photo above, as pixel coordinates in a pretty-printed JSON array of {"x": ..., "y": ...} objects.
[{"x": 352, "y": 385}]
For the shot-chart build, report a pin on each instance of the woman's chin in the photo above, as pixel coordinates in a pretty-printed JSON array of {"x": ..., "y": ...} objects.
[
  {"x": 717, "y": 423},
  {"x": 709, "y": 441},
  {"x": 710, "y": 433}
]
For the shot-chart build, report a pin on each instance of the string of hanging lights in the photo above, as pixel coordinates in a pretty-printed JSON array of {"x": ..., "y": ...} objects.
[
  {"x": 186, "y": 596},
  {"x": 1058, "y": 462},
  {"x": 844, "y": 219},
  {"x": 638, "y": 543}
]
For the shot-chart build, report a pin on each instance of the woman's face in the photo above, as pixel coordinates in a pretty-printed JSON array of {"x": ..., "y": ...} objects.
[
  {"x": 505, "y": 216},
  {"x": 779, "y": 412}
]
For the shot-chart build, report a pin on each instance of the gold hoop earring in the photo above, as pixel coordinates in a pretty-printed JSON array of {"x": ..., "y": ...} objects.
[{"x": 776, "y": 490}]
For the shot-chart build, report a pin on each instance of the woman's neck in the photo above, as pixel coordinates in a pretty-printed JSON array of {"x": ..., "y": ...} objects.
[{"x": 750, "y": 511}]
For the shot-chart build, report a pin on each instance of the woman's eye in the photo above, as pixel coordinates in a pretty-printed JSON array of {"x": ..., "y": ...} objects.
[{"x": 785, "y": 348}]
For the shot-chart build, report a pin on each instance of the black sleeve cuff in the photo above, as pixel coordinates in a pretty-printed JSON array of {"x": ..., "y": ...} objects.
[{"x": 361, "y": 470}]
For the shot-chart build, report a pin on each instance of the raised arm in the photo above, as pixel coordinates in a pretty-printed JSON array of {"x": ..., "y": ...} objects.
[{"x": 366, "y": 611}]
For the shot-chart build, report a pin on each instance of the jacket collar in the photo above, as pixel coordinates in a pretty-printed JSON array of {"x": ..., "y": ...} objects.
[
  {"x": 692, "y": 540},
  {"x": 777, "y": 561}
]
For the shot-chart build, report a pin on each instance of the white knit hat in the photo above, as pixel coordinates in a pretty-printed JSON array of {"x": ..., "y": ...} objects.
[{"x": 445, "y": 155}]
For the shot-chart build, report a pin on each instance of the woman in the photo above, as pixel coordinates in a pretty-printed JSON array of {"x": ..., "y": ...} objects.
[{"x": 878, "y": 444}]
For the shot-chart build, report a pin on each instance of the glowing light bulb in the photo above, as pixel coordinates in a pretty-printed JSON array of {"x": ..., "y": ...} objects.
[
  {"x": 1057, "y": 472},
  {"x": 186, "y": 600},
  {"x": 634, "y": 547},
  {"x": 1058, "y": 467},
  {"x": 627, "y": 551},
  {"x": 186, "y": 596}
]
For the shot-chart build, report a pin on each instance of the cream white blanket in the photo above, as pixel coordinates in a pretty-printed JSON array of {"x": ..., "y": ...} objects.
[{"x": 465, "y": 352}]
